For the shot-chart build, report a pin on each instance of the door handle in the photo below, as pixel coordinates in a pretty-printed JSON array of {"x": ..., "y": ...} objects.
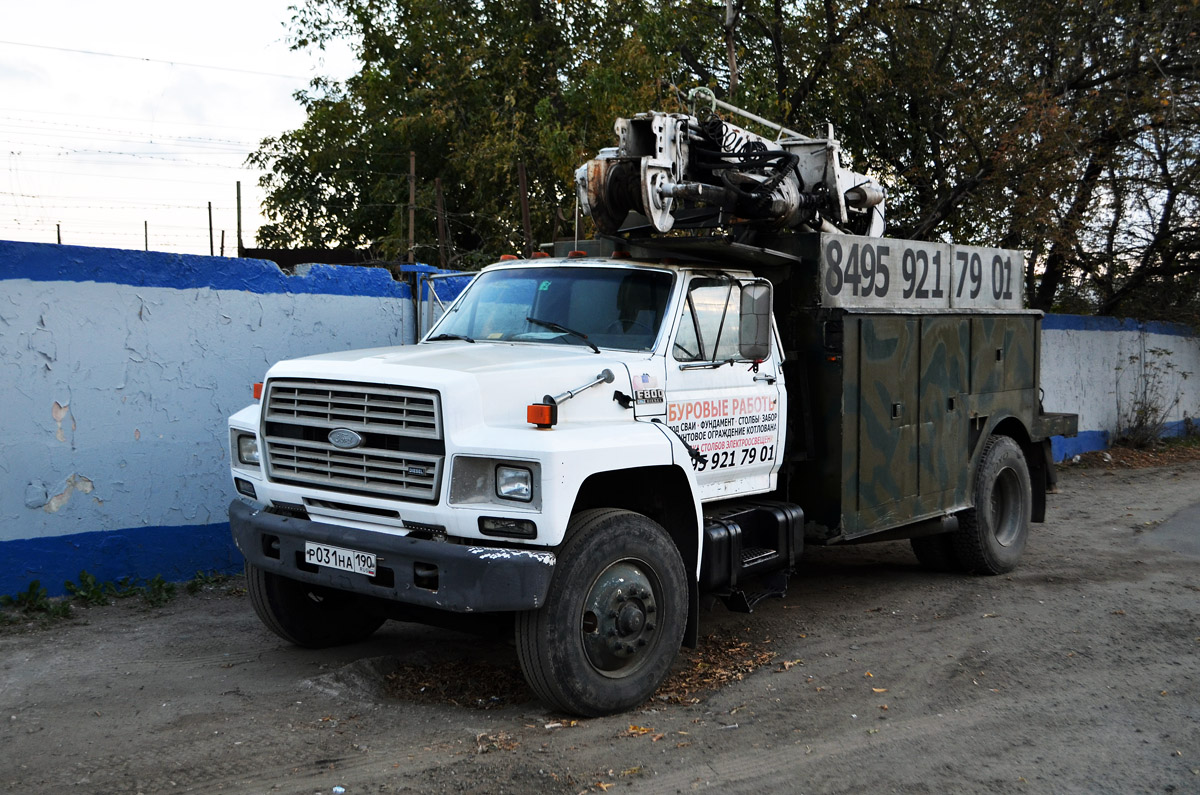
[{"x": 770, "y": 379}]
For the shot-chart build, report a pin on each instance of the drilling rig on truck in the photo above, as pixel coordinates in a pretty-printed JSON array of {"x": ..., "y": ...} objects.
[{"x": 739, "y": 366}]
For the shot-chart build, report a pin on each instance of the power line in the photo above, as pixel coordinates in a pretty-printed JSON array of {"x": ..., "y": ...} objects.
[
  {"x": 152, "y": 60},
  {"x": 128, "y": 118},
  {"x": 128, "y": 177},
  {"x": 19, "y": 125}
]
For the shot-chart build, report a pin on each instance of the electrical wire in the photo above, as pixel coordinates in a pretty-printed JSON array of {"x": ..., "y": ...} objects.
[{"x": 152, "y": 60}]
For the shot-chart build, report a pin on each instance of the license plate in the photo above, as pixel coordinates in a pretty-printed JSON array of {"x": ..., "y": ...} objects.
[{"x": 338, "y": 558}]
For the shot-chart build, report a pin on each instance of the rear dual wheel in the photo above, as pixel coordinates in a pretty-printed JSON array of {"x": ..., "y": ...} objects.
[
  {"x": 991, "y": 535},
  {"x": 613, "y": 620}
]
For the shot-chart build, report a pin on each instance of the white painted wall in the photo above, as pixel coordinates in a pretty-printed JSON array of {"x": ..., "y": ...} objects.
[
  {"x": 118, "y": 371},
  {"x": 1086, "y": 369},
  {"x": 120, "y": 394}
]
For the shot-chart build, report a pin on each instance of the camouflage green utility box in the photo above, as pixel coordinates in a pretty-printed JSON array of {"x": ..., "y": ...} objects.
[{"x": 909, "y": 356}]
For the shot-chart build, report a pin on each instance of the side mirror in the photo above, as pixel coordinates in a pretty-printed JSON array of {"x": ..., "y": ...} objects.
[{"x": 755, "y": 329}]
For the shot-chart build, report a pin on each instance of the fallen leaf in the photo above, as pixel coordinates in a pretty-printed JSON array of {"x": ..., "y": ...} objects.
[
  {"x": 655, "y": 738},
  {"x": 603, "y": 787},
  {"x": 1118, "y": 612},
  {"x": 637, "y": 731},
  {"x": 883, "y": 707},
  {"x": 786, "y": 664},
  {"x": 869, "y": 675},
  {"x": 631, "y": 771},
  {"x": 878, "y": 689}
]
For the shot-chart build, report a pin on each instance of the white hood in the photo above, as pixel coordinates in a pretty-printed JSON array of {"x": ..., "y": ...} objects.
[{"x": 485, "y": 382}]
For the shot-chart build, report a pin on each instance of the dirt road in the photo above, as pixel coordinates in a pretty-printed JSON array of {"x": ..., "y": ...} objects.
[{"x": 1080, "y": 672}]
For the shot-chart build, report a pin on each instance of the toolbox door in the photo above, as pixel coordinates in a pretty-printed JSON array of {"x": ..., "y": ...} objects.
[{"x": 887, "y": 410}]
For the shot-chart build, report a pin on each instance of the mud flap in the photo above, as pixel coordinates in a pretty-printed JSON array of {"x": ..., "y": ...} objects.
[{"x": 691, "y": 630}]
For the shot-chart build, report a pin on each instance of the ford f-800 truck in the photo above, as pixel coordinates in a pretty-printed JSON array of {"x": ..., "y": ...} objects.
[{"x": 583, "y": 445}]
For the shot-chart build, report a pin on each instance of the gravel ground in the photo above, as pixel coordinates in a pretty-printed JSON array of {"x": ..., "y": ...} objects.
[{"x": 1079, "y": 672}]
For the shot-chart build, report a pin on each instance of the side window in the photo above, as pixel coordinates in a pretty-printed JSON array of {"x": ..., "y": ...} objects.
[{"x": 711, "y": 320}]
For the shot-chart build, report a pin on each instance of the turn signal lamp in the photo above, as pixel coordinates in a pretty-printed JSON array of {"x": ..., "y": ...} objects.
[
  {"x": 258, "y": 391},
  {"x": 543, "y": 415}
]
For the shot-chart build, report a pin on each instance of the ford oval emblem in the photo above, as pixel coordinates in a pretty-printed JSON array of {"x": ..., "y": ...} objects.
[{"x": 344, "y": 439}]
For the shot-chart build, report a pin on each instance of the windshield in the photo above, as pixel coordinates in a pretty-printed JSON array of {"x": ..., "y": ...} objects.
[{"x": 613, "y": 307}]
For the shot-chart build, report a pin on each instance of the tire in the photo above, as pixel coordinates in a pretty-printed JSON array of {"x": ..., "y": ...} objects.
[
  {"x": 992, "y": 534},
  {"x": 935, "y": 553},
  {"x": 308, "y": 615},
  {"x": 613, "y": 620}
]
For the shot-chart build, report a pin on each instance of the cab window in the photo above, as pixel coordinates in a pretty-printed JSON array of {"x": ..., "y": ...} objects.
[{"x": 708, "y": 331}]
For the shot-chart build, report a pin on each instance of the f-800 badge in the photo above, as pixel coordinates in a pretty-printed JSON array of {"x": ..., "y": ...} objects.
[{"x": 646, "y": 390}]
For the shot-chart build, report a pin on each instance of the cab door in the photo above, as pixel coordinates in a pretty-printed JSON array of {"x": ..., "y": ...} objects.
[{"x": 723, "y": 402}]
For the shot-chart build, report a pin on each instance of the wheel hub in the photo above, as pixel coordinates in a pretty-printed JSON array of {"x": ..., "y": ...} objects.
[
  {"x": 1006, "y": 508},
  {"x": 618, "y": 619},
  {"x": 630, "y": 620}
]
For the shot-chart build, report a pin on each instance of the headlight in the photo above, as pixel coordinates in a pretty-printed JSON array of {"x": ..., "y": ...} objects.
[
  {"x": 514, "y": 483},
  {"x": 477, "y": 480},
  {"x": 247, "y": 449}
]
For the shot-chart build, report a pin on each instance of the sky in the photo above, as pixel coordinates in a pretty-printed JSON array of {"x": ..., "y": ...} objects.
[{"x": 121, "y": 121}]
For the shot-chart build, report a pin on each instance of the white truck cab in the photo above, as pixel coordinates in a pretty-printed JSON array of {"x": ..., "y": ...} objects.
[{"x": 449, "y": 475}]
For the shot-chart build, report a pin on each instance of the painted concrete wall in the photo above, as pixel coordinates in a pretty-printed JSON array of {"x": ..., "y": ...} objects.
[
  {"x": 117, "y": 372},
  {"x": 1094, "y": 366}
]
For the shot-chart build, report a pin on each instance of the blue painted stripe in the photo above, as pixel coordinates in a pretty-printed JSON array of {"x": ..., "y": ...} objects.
[
  {"x": 1103, "y": 323},
  {"x": 1064, "y": 447},
  {"x": 47, "y": 262},
  {"x": 140, "y": 553}
]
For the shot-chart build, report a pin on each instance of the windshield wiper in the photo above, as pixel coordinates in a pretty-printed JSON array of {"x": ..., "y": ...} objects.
[
  {"x": 563, "y": 329},
  {"x": 441, "y": 337}
]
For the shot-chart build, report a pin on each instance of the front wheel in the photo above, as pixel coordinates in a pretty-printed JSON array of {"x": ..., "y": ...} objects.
[
  {"x": 992, "y": 534},
  {"x": 308, "y": 615},
  {"x": 614, "y": 618}
]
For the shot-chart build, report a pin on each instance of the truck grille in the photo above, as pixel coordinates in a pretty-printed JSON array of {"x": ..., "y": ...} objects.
[{"x": 402, "y": 452}]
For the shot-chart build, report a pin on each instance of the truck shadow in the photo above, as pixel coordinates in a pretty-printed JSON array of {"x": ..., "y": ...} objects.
[{"x": 477, "y": 669}]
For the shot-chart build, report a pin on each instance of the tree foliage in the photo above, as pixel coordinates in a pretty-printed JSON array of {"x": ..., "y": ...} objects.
[{"x": 1068, "y": 128}]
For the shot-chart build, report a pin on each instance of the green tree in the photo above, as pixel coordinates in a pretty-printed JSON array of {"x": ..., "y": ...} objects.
[
  {"x": 472, "y": 88},
  {"x": 1068, "y": 129}
]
